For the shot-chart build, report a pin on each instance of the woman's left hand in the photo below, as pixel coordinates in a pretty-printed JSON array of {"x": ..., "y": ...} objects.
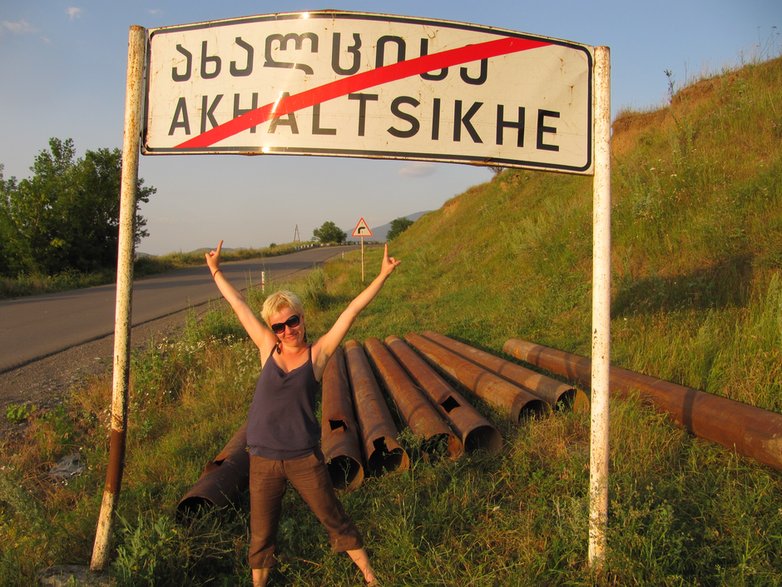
[{"x": 389, "y": 263}]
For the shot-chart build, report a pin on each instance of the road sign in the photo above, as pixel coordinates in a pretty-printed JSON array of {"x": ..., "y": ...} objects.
[
  {"x": 362, "y": 85},
  {"x": 368, "y": 85},
  {"x": 362, "y": 229}
]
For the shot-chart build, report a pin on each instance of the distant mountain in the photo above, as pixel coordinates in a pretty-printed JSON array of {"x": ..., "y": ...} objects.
[{"x": 379, "y": 233}]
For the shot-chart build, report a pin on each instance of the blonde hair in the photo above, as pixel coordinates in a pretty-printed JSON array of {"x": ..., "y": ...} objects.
[{"x": 279, "y": 300}]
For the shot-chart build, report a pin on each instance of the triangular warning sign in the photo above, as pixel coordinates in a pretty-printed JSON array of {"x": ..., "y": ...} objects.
[{"x": 362, "y": 229}]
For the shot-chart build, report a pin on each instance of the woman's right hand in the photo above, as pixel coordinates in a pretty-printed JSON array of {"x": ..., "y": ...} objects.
[{"x": 213, "y": 258}]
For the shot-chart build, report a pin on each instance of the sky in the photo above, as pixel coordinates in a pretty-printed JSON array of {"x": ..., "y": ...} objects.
[{"x": 63, "y": 67}]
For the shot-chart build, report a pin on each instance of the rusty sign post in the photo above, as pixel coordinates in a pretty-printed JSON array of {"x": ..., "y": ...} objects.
[
  {"x": 378, "y": 86},
  {"x": 122, "y": 318}
]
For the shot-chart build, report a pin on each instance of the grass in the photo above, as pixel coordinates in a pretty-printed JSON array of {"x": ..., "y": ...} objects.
[
  {"x": 26, "y": 285},
  {"x": 697, "y": 299}
]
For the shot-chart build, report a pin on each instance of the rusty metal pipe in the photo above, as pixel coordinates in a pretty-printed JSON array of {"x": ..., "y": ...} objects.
[
  {"x": 223, "y": 479},
  {"x": 378, "y": 431},
  {"x": 557, "y": 394},
  {"x": 414, "y": 407},
  {"x": 750, "y": 431},
  {"x": 339, "y": 438},
  {"x": 475, "y": 431},
  {"x": 496, "y": 391}
]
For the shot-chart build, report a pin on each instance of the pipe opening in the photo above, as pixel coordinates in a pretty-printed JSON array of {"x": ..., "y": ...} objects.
[
  {"x": 383, "y": 459},
  {"x": 449, "y": 404},
  {"x": 566, "y": 400},
  {"x": 343, "y": 471},
  {"x": 436, "y": 447},
  {"x": 337, "y": 425},
  {"x": 483, "y": 437},
  {"x": 192, "y": 507},
  {"x": 533, "y": 409}
]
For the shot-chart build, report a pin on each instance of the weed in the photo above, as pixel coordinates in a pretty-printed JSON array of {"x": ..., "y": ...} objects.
[
  {"x": 157, "y": 550},
  {"x": 18, "y": 413}
]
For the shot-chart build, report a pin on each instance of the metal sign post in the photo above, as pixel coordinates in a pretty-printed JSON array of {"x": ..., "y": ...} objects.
[
  {"x": 122, "y": 320},
  {"x": 601, "y": 313},
  {"x": 360, "y": 231}
]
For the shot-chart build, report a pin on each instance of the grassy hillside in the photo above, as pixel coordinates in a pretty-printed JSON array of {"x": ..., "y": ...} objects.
[{"x": 697, "y": 299}]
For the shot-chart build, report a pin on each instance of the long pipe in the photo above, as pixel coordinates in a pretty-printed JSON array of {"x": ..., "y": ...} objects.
[
  {"x": 555, "y": 393},
  {"x": 750, "y": 431},
  {"x": 414, "y": 407},
  {"x": 340, "y": 441},
  {"x": 378, "y": 431},
  {"x": 223, "y": 479},
  {"x": 496, "y": 391},
  {"x": 475, "y": 431}
]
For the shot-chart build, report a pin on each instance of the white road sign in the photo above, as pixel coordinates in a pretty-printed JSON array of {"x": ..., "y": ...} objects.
[
  {"x": 362, "y": 229},
  {"x": 369, "y": 85}
]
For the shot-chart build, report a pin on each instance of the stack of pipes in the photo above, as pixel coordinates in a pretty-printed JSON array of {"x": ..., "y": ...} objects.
[{"x": 359, "y": 434}]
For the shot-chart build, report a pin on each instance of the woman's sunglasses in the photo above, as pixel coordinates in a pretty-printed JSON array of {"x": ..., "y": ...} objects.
[{"x": 291, "y": 322}]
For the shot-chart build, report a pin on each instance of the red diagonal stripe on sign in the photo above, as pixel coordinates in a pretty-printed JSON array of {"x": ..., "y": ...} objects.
[{"x": 362, "y": 81}]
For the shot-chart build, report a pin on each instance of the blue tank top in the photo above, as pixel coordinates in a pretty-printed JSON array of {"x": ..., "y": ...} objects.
[{"x": 281, "y": 423}]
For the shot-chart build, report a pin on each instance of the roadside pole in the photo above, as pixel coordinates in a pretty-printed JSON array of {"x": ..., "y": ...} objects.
[
  {"x": 122, "y": 318},
  {"x": 362, "y": 259},
  {"x": 360, "y": 231},
  {"x": 601, "y": 313}
]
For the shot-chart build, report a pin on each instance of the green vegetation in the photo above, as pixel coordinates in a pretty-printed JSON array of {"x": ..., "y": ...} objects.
[
  {"x": 65, "y": 217},
  {"x": 18, "y": 413},
  {"x": 398, "y": 226},
  {"x": 697, "y": 299},
  {"x": 329, "y": 232},
  {"x": 58, "y": 228},
  {"x": 24, "y": 285}
]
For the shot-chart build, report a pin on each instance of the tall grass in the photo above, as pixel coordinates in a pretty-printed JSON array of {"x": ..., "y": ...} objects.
[
  {"x": 26, "y": 285},
  {"x": 697, "y": 299}
]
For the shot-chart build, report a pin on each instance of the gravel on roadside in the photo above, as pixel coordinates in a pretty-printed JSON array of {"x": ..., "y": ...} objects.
[{"x": 45, "y": 382}]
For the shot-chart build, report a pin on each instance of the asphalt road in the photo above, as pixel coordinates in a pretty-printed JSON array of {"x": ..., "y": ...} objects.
[{"x": 32, "y": 328}]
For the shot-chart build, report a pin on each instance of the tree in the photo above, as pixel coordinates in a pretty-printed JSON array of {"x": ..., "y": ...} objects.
[
  {"x": 66, "y": 216},
  {"x": 398, "y": 226},
  {"x": 330, "y": 233},
  {"x": 7, "y": 232}
]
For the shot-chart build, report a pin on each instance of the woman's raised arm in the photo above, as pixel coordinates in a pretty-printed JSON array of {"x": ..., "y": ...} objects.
[
  {"x": 260, "y": 334},
  {"x": 324, "y": 348}
]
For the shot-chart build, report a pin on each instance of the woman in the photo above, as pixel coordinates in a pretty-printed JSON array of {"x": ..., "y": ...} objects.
[{"x": 282, "y": 432}]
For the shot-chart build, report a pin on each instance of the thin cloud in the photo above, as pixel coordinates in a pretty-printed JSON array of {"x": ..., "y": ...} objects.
[
  {"x": 73, "y": 12},
  {"x": 417, "y": 169},
  {"x": 17, "y": 27}
]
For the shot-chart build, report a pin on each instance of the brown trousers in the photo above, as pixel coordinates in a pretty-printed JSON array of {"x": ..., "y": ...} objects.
[{"x": 309, "y": 476}]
